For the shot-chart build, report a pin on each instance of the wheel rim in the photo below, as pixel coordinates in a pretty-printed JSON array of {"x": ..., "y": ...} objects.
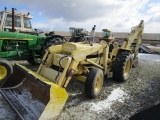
[
  {"x": 98, "y": 84},
  {"x": 3, "y": 72},
  {"x": 127, "y": 67}
]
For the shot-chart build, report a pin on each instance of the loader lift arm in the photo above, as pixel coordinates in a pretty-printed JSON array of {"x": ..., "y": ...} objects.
[{"x": 87, "y": 62}]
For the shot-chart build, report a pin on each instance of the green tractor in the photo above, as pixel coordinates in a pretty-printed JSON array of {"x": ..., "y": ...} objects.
[
  {"x": 19, "y": 41},
  {"x": 78, "y": 34}
]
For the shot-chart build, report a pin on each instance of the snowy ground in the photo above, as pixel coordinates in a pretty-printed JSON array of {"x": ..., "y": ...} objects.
[{"x": 117, "y": 101}]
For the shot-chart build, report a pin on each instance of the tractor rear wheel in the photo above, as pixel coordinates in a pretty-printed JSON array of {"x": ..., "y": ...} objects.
[
  {"x": 122, "y": 66},
  {"x": 6, "y": 70},
  {"x": 54, "y": 40},
  {"x": 94, "y": 82}
]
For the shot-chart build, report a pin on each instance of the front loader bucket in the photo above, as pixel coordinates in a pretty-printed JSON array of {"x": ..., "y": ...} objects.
[{"x": 32, "y": 96}]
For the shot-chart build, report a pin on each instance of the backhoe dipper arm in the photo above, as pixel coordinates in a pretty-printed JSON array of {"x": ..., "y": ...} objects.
[{"x": 136, "y": 32}]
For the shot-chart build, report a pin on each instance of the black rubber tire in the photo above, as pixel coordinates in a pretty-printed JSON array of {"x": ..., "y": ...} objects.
[
  {"x": 119, "y": 70},
  {"x": 54, "y": 40},
  {"x": 91, "y": 80},
  {"x": 5, "y": 63}
]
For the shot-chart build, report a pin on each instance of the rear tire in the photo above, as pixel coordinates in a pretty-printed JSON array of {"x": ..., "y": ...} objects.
[
  {"x": 54, "y": 40},
  {"x": 122, "y": 66},
  {"x": 6, "y": 70},
  {"x": 94, "y": 82}
]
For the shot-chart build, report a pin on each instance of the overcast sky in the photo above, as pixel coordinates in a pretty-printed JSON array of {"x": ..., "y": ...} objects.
[{"x": 116, "y": 15}]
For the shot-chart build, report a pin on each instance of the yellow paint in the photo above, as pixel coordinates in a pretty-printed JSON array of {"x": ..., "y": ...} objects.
[
  {"x": 63, "y": 76},
  {"x": 97, "y": 65},
  {"x": 127, "y": 67},
  {"x": 136, "y": 32},
  {"x": 38, "y": 76},
  {"x": 98, "y": 84},
  {"x": 3, "y": 72},
  {"x": 73, "y": 54},
  {"x": 115, "y": 49},
  {"x": 58, "y": 98}
]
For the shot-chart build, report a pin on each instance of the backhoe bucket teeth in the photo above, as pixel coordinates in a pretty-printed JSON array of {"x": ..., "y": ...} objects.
[{"x": 33, "y": 96}]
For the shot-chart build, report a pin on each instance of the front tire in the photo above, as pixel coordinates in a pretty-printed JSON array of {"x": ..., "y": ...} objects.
[
  {"x": 94, "y": 82},
  {"x": 6, "y": 70},
  {"x": 122, "y": 66}
]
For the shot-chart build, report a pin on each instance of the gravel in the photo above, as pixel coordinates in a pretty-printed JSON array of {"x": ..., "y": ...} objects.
[{"x": 117, "y": 101}]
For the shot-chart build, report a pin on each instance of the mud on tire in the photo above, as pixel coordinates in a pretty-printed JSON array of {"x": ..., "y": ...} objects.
[{"x": 122, "y": 66}]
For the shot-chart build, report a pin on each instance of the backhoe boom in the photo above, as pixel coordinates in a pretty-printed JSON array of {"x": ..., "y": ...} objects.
[{"x": 136, "y": 32}]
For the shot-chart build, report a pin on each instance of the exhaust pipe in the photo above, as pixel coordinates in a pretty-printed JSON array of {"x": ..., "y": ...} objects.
[
  {"x": 92, "y": 35},
  {"x": 13, "y": 19}
]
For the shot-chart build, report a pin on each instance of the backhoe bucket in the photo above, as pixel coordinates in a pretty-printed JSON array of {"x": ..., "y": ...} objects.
[{"x": 32, "y": 96}]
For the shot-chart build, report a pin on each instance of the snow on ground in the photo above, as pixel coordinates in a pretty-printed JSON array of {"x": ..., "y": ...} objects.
[
  {"x": 149, "y": 57},
  {"x": 26, "y": 98},
  {"x": 117, "y": 101},
  {"x": 117, "y": 95},
  {"x": 6, "y": 112}
]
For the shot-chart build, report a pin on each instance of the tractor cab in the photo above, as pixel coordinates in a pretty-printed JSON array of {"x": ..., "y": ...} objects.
[
  {"x": 15, "y": 22},
  {"x": 106, "y": 33},
  {"x": 106, "y": 36}
]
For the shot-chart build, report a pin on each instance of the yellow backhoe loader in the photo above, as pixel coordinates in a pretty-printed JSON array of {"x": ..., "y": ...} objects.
[{"x": 86, "y": 61}]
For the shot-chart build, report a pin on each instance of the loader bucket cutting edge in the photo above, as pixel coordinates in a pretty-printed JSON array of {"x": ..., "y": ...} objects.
[{"x": 40, "y": 89}]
